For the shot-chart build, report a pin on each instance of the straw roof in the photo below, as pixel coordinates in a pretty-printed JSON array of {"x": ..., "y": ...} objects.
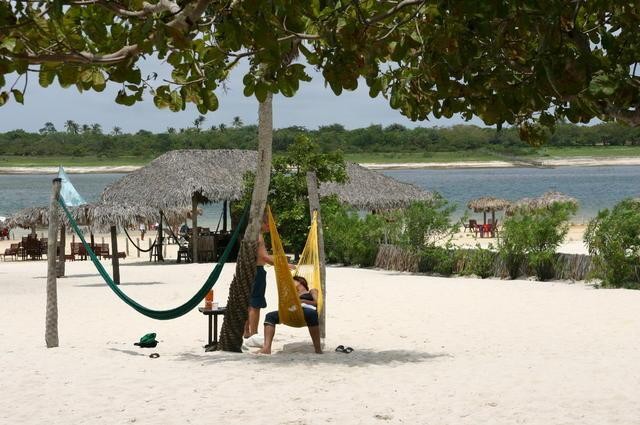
[
  {"x": 98, "y": 217},
  {"x": 218, "y": 175},
  {"x": 488, "y": 204},
  {"x": 173, "y": 178},
  {"x": 29, "y": 217},
  {"x": 543, "y": 201},
  {"x": 370, "y": 190}
]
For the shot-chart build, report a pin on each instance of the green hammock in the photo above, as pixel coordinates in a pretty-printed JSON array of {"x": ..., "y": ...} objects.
[{"x": 159, "y": 314}]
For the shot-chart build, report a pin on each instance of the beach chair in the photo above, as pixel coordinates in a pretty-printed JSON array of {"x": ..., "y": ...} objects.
[
  {"x": 12, "y": 251},
  {"x": 471, "y": 226}
]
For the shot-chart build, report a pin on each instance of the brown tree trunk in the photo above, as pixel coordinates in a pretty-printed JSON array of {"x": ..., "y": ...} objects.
[{"x": 238, "y": 301}]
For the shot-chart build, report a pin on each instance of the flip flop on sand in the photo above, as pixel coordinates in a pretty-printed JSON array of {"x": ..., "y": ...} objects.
[
  {"x": 154, "y": 355},
  {"x": 343, "y": 349}
]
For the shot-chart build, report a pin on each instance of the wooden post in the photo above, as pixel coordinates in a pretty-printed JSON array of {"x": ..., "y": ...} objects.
[
  {"x": 126, "y": 242},
  {"x": 314, "y": 205},
  {"x": 115, "y": 264},
  {"x": 51, "y": 321},
  {"x": 137, "y": 245},
  {"x": 63, "y": 244},
  {"x": 160, "y": 240},
  {"x": 225, "y": 205},
  {"x": 194, "y": 230}
]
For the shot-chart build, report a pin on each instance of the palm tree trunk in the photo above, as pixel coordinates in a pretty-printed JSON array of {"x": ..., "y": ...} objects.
[{"x": 240, "y": 289}]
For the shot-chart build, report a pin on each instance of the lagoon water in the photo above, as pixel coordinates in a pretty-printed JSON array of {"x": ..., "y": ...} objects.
[{"x": 594, "y": 187}]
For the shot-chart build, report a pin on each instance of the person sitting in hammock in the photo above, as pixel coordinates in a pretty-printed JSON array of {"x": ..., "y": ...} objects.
[
  {"x": 257, "y": 299},
  {"x": 309, "y": 301}
]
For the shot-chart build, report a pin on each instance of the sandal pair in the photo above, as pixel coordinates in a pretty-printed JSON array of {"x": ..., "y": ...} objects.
[{"x": 343, "y": 349}]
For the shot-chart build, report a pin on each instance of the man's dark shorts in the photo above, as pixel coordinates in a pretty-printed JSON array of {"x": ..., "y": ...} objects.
[{"x": 257, "y": 299}]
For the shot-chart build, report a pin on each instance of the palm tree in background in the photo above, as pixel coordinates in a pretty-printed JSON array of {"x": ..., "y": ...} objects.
[
  {"x": 237, "y": 122},
  {"x": 96, "y": 128},
  {"x": 198, "y": 121},
  {"x": 72, "y": 127},
  {"x": 48, "y": 128},
  {"x": 86, "y": 128},
  {"x": 116, "y": 131}
]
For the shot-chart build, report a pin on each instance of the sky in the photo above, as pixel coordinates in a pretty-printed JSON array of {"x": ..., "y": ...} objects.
[{"x": 313, "y": 105}]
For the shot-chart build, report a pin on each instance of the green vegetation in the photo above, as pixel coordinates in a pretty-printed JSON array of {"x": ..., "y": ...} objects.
[
  {"x": 87, "y": 145},
  {"x": 613, "y": 239},
  {"x": 533, "y": 235},
  {"x": 68, "y": 161}
]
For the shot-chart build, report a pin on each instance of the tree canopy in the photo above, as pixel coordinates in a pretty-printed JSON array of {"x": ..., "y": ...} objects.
[{"x": 522, "y": 62}]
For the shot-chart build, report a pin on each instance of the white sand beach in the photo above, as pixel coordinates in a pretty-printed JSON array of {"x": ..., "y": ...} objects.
[
  {"x": 428, "y": 350},
  {"x": 549, "y": 162}
]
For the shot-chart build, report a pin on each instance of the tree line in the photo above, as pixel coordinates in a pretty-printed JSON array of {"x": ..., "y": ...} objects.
[{"x": 90, "y": 140}]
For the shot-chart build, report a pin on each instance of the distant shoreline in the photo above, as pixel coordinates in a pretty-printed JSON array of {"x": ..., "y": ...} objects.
[{"x": 558, "y": 162}]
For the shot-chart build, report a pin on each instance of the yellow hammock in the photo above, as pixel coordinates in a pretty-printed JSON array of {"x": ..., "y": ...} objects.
[{"x": 289, "y": 306}]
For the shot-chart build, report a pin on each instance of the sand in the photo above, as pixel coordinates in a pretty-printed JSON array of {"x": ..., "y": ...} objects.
[
  {"x": 550, "y": 162},
  {"x": 428, "y": 350}
]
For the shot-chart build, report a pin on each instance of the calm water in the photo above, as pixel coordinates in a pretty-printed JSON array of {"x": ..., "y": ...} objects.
[{"x": 594, "y": 187}]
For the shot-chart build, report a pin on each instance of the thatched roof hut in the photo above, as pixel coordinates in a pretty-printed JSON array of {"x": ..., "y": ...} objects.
[
  {"x": 172, "y": 179},
  {"x": 370, "y": 190},
  {"x": 488, "y": 204},
  {"x": 543, "y": 201},
  {"x": 98, "y": 217},
  {"x": 217, "y": 175},
  {"x": 30, "y": 217}
]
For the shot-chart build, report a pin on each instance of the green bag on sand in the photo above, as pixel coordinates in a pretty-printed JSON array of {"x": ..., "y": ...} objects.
[{"x": 147, "y": 341}]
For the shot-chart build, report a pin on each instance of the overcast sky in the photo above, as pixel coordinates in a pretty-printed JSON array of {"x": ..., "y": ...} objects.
[{"x": 313, "y": 106}]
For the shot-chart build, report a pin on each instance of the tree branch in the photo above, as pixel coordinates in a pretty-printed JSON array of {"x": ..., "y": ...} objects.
[
  {"x": 395, "y": 9},
  {"x": 147, "y": 8}
]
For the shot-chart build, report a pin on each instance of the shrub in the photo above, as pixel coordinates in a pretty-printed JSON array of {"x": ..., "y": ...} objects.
[
  {"x": 423, "y": 224},
  {"x": 480, "y": 262},
  {"x": 350, "y": 239},
  {"x": 613, "y": 240},
  {"x": 438, "y": 260},
  {"x": 534, "y": 234}
]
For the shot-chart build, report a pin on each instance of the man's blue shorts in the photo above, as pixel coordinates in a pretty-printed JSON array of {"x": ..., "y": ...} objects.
[{"x": 257, "y": 299}]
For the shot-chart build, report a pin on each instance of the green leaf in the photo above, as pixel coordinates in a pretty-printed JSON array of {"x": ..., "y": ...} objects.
[
  {"x": 45, "y": 78},
  {"x": 8, "y": 43},
  {"x": 4, "y": 97},
  {"x": 99, "y": 82},
  {"x": 18, "y": 95},
  {"x": 261, "y": 91}
]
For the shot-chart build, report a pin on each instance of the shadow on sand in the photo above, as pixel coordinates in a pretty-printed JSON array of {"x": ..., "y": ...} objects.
[
  {"x": 99, "y": 285},
  {"x": 71, "y": 275},
  {"x": 359, "y": 357},
  {"x": 130, "y": 352}
]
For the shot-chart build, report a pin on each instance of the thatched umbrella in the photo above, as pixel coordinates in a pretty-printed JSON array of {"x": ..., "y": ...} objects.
[
  {"x": 543, "y": 201},
  {"x": 488, "y": 204},
  {"x": 185, "y": 178},
  {"x": 370, "y": 190}
]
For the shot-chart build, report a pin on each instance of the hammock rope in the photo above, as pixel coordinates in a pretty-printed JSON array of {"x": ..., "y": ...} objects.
[
  {"x": 173, "y": 235},
  {"x": 134, "y": 244},
  {"x": 289, "y": 306},
  {"x": 159, "y": 314}
]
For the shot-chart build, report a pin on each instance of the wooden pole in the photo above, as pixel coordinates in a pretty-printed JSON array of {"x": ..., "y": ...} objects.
[
  {"x": 194, "y": 230},
  {"x": 137, "y": 245},
  {"x": 314, "y": 205},
  {"x": 115, "y": 262},
  {"x": 225, "y": 204},
  {"x": 51, "y": 321},
  {"x": 160, "y": 238},
  {"x": 126, "y": 242},
  {"x": 63, "y": 244}
]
